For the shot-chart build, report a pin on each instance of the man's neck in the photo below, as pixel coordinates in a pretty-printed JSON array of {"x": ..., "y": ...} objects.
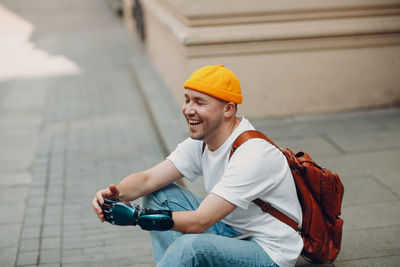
[{"x": 217, "y": 140}]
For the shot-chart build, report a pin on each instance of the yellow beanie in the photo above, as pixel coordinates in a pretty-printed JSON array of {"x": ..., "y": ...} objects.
[{"x": 217, "y": 81}]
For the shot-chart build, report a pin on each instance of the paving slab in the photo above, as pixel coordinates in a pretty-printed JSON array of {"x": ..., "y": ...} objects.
[
  {"x": 315, "y": 125},
  {"x": 12, "y": 214},
  {"x": 10, "y": 237},
  {"x": 50, "y": 256},
  {"x": 8, "y": 256},
  {"x": 15, "y": 178},
  {"x": 25, "y": 96},
  {"x": 32, "y": 244},
  {"x": 368, "y": 216},
  {"x": 30, "y": 232},
  {"x": 362, "y": 163},
  {"x": 391, "y": 179},
  {"x": 7, "y": 195},
  {"x": 369, "y": 141},
  {"x": 27, "y": 258},
  {"x": 374, "y": 242},
  {"x": 388, "y": 118},
  {"x": 365, "y": 190},
  {"x": 20, "y": 123},
  {"x": 389, "y": 261},
  {"x": 49, "y": 265}
]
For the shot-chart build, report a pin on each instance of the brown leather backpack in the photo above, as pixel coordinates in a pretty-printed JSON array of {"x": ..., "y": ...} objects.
[{"x": 320, "y": 193}]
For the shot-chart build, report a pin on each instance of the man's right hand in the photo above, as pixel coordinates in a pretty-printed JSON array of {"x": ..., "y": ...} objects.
[
  {"x": 110, "y": 192},
  {"x": 122, "y": 213}
]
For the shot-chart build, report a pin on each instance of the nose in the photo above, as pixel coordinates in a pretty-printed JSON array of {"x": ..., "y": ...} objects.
[{"x": 188, "y": 109}]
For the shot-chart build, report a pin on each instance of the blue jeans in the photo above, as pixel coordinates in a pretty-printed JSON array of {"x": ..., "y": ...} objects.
[{"x": 214, "y": 247}]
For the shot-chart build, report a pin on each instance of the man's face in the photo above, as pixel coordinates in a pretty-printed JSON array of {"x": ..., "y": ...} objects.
[{"x": 203, "y": 113}]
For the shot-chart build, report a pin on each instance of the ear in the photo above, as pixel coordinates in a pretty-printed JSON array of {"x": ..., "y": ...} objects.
[{"x": 230, "y": 109}]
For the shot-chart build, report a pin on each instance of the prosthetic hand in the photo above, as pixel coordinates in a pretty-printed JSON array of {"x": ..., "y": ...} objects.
[{"x": 123, "y": 213}]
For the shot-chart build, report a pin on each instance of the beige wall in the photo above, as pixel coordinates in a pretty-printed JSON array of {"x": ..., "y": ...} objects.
[{"x": 318, "y": 56}]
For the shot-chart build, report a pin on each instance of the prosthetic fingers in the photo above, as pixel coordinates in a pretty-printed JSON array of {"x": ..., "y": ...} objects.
[{"x": 124, "y": 213}]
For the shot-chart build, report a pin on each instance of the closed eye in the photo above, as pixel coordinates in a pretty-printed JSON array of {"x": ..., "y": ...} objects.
[{"x": 200, "y": 101}]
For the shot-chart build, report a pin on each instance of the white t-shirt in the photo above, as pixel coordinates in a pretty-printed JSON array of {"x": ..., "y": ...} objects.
[{"x": 256, "y": 170}]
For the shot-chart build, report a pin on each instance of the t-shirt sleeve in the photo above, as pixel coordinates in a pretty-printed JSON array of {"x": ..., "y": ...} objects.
[
  {"x": 187, "y": 158},
  {"x": 255, "y": 168}
]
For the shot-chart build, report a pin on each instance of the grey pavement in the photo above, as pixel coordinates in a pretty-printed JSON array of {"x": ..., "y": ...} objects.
[{"x": 84, "y": 108}]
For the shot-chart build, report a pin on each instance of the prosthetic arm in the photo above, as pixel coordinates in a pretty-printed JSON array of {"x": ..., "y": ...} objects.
[{"x": 124, "y": 213}]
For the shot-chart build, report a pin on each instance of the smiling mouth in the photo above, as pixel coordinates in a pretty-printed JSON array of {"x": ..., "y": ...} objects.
[{"x": 194, "y": 122}]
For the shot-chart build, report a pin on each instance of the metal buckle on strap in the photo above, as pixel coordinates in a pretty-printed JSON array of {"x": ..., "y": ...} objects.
[
  {"x": 299, "y": 228},
  {"x": 266, "y": 207}
]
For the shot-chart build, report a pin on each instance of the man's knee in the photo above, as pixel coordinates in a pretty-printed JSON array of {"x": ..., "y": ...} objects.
[
  {"x": 194, "y": 245},
  {"x": 188, "y": 249},
  {"x": 191, "y": 240}
]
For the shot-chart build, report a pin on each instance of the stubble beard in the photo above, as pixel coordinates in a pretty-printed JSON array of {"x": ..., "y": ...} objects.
[{"x": 209, "y": 130}]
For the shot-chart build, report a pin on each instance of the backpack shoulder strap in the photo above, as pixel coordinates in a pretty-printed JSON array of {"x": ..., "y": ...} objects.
[
  {"x": 250, "y": 134},
  {"x": 265, "y": 207}
]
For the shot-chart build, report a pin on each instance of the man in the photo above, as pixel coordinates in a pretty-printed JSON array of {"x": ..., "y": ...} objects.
[{"x": 205, "y": 230}]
